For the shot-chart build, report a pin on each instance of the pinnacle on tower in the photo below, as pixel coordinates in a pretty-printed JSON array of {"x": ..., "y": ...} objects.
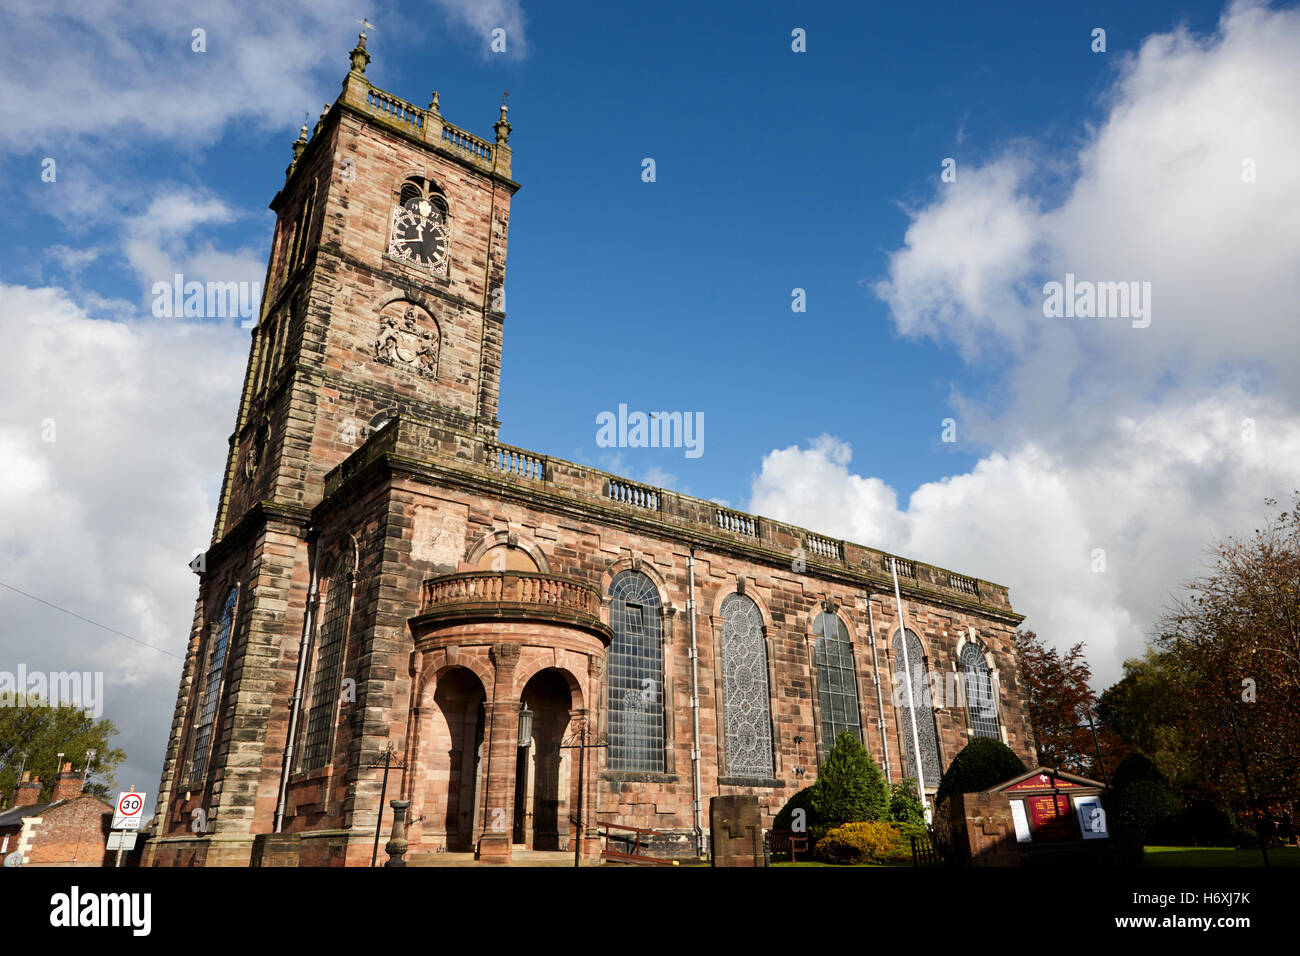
[
  {"x": 360, "y": 58},
  {"x": 502, "y": 126}
]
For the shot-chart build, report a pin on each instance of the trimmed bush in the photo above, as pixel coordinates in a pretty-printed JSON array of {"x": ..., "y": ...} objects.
[
  {"x": 849, "y": 786},
  {"x": 1143, "y": 800},
  {"x": 800, "y": 801},
  {"x": 982, "y": 763},
  {"x": 863, "y": 842}
]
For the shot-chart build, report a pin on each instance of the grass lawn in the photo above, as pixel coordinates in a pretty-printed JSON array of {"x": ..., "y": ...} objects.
[
  {"x": 877, "y": 866},
  {"x": 1218, "y": 856},
  {"x": 1169, "y": 856}
]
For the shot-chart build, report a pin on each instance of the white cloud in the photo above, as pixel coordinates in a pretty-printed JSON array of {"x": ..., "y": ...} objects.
[
  {"x": 485, "y": 16},
  {"x": 127, "y": 68},
  {"x": 73, "y": 260},
  {"x": 1157, "y": 196},
  {"x": 1110, "y": 436},
  {"x": 103, "y": 520},
  {"x": 1165, "y": 486},
  {"x": 159, "y": 242}
]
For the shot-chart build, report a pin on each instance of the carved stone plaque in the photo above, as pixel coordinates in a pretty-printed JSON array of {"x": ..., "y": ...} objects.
[{"x": 408, "y": 339}]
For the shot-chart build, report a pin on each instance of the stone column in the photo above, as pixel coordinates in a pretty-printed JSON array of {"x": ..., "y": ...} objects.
[
  {"x": 595, "y": 759},
  {"x": 502, "y": 749}
]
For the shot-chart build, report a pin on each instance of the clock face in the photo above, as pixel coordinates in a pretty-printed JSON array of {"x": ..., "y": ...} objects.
[{"x": 420, "y": 236}]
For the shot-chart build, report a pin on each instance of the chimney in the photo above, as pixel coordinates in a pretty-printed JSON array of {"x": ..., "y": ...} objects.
[
  {"x": 28, "y": 791},
  {"x": 68, "y": 784}
]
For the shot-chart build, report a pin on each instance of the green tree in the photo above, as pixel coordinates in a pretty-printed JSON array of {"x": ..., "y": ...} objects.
[
  {"x": 849, "y": 787},
  {"x": 1145, "y": 710},
  {"x": 904, "y": 805},
  {"x": 30, "y": 725}
]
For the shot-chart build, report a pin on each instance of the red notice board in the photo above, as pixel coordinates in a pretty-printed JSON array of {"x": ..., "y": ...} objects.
[{"x": 1051, "y": 818}]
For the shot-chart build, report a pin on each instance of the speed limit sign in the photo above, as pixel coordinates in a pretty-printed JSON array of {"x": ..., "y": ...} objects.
[{"x": 129, "y": 811}]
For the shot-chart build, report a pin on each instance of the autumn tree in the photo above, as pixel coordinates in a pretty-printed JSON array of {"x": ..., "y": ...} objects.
[
  {"x": 1060, "y": 701},
  {"x": 1233, "y": 647}
]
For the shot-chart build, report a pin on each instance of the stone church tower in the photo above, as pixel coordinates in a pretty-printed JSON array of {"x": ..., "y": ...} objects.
[{"x": 388, "y": 584}]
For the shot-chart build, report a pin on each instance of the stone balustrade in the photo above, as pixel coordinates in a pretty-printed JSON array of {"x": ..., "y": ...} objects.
[
  {"x": 906, "y": 568},
  {"x": 428, "y": 126},
  {"x": 510, "y": 587},
  {"x": 738, "y": 522},
  {"x": 638, "y": 496},
  {"x": 468, "y": 143},
  {"x": 672, "y": 511},
  {"x": 515, "y": 462},
  {"x": 824, "y": 547},
  {"x": 390, "y": 107}
]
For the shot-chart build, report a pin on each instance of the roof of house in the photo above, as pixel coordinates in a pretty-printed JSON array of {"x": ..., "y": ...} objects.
[{"x": 13, "y": 817}]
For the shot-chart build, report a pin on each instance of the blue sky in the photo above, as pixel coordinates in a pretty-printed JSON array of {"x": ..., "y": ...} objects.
[{"x": 775, "y": 170}]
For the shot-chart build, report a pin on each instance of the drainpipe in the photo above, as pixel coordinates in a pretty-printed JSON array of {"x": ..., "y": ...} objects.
[
  {"x": 911, "y": 702},
  {"x": 695, "y": 711},
  {"x": 880, "y": 701},
  {"x": 295, "y": 704}
]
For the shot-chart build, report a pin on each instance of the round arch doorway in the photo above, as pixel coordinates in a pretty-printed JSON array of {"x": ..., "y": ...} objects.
[
  {"x": 457, "y": 758},
  {"x": 542, "y": 778}
]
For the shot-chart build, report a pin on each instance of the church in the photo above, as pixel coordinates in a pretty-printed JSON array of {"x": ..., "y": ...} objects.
[{"x": 397, "y": 606}]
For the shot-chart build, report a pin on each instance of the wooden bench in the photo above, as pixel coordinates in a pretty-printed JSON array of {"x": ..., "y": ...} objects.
[{"x": 787, "y": 841}]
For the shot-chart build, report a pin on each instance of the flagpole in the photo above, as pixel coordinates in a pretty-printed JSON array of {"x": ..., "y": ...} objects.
[{"x": 911, "y": 703}]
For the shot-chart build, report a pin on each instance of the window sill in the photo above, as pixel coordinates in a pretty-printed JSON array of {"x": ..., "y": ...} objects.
[
  {"x": 634, "y": 776},
  {"x": 765, "y": 782}
]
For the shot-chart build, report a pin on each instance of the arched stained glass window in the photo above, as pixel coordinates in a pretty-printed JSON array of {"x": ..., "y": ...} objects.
[
  {"x": 837, "y": 684},
  {"x": 980, "y": 699},
  {"x": 210, "y": 689},
  {"x": 328, "y": 671},
  {"x": 636, "y": 675},
  {"x": 744, "y": 689},
  {"x": 924, "y": 713}
]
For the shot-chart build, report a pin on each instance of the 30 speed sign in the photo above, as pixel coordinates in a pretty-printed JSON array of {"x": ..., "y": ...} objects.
[{"x": 129, "y": 811}]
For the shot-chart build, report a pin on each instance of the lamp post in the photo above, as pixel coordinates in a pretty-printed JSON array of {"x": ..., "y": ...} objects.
[
  {"x": 578, "y": 741},
  {"x": 387, "y": 758},
  {"x": 1096, "y": 745}
]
